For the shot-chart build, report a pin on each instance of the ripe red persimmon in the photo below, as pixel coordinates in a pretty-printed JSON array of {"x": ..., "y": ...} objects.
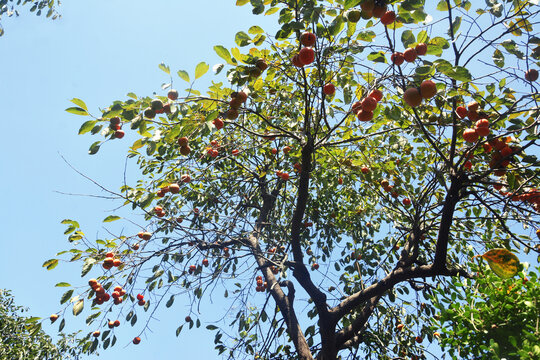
[
  {"x": 140, "y": 296},
  {"x": 218, "y": 123},
  {"x": 412, "y": 97},
  {"x": 369, "y": 103},
  {"x": 531, "y": 75},
  {"x": 308, "y": 39},
  {"x": 174, "y": 188},
  {"x": 136, "y": 340},
  {"x": 231, "y": 114},
  {"x": 119, "y": 134},
  {"x": 421, "y": 49},
  {"x": 356, "y": 106},
  {"x": 261, "y": 64},
  {"x": 397, "y": 58},
  {"x": 376, "y": 94},
  {"x": 379, "y": 10},
  {"x": 470, "y": 135},
  {"x": 473, "y": 106},
  {"x": 364, "y": 115},
  {"x": 461, "y": 112},
  {"x": 306, "y": 55},
  {"x": 428, "y": 89},
  {"x": 406, "y": 201},
  {"x": 329, "y": 89},
  {"x": 115, "y": 120},
  {"x": 172, "y": 94},
  {"x": 410, "y": 55},
  {"x": 388, "y": 18},
  {"x": 296, "y": 61}
]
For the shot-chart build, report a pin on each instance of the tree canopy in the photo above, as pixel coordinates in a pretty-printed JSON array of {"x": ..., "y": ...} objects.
[
  {"x": 336, "y": 183},
  {"x": 22, "y": 338},
  {"x": 11, "y": 7}
]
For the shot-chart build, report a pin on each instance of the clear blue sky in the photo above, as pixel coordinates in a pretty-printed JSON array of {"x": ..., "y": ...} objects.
[{"x": 98, "y": 51}]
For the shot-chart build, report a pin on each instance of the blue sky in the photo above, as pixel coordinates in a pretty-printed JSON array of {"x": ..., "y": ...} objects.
[{"x": 98, "y": 52}]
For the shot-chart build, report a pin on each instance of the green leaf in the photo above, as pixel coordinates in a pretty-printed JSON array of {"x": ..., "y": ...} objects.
[
  {"x": 50, "y": 264},
  {"x": 183, "y": 75},
  {"x": 111, "y": 218},
  {"x": 165, "y": 68},
  {"x": 436, "y": 45},
  {"x": 442, "y": 5},
  {"x": 67, "y": 295},
  {"x": 407, "y": 38},
  {"x": 201, "y": 69},
  {"x": 79, "y": 103},
  {"x": 32, "y": 319},
  {"x": 78, "y": 307},
  {"x": 87, "y": 126},
  {"x": 461, "y": 74},
  {"x": 170, "y": 301},
  {"x": 336, "y": 25},
  {"x": 350, "y": 3},
  {"x": 512, "y": 48},
  {"x": 254, "y": 30},
  {"x": 240, "y": 3},
  {"x": 77, "y": 111},
  {"x": 94, "y": 148},
  {"x": 86, "y": 268},
  {"x": 498, "y": 58},
  {"x": 63, "y": 284},
  {"x": 224, "y": 54},
  {"x": 377, "y": 57},
  {"x": 242, "y": 39}
]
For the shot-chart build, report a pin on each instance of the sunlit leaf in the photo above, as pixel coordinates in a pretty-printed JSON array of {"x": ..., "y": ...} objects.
[
  {"x": 78, "y": 307},
  {"x": 503, "y": 262}
]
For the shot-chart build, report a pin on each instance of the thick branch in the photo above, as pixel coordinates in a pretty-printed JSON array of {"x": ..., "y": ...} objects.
[
  {"x": 283, "y": 301},
  {"x": 351, "y": 332}
]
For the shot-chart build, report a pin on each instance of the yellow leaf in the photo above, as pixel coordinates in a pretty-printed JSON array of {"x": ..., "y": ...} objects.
[{"x": 503, "y": 262}]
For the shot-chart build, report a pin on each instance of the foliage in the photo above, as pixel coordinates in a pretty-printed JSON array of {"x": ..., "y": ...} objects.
[
  {"x": 8, "y": 8},
  {"x": 342, "y": 219},
  {"x": 490, "y": 317},
  {"x": 22, "y": 338}
]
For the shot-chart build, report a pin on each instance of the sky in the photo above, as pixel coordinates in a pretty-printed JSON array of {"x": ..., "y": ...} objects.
[{"x": 97, "y": 51}]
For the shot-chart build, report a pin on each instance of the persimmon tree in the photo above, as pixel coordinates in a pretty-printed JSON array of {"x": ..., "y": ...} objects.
[
  {"x": 9, "y": 8},
  {"x": 346, "y": 168},
  {"x": 21, "y": 337}
]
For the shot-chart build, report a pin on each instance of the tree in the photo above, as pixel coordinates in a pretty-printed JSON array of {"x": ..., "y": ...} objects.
[
  {"x": 495, "y": 318},
  {"x": 357, "y": 161},
  {"x": 22, "y": 338},
  {"x": 7, "y": 8}
]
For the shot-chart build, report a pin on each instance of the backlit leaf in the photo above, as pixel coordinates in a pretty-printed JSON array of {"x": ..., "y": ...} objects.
[
  {"x": 503, "y": 262},
  {"x": 201, "y": 69},
  {"x": 78, "y": 307},
  {"x": 111, "y": 218},
  {"x": 50, "y": 264},
  {"x": 183, "y": 75},
  {"x": 77, "y": 111}
]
